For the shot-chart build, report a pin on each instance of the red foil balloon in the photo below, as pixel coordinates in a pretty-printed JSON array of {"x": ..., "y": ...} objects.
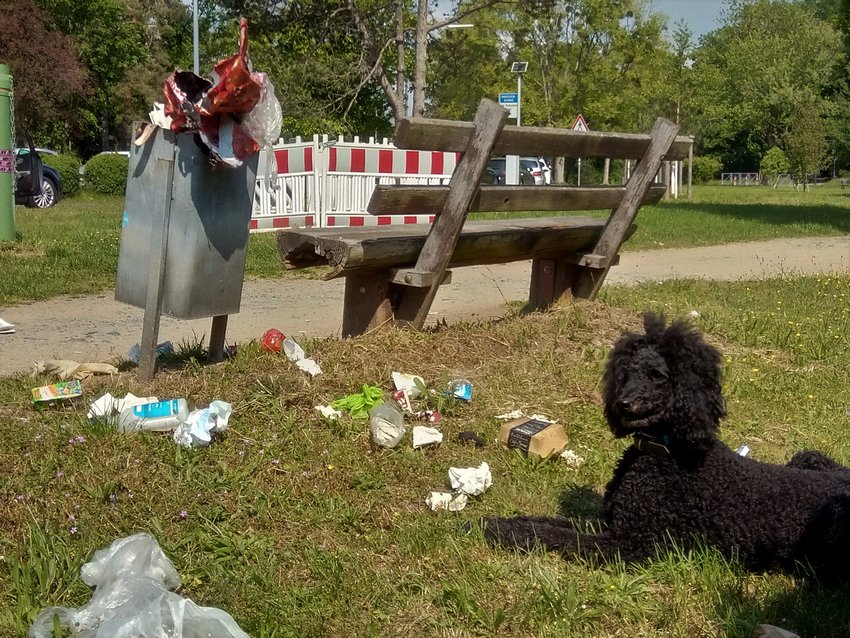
[{"x": 272, "y": 340}]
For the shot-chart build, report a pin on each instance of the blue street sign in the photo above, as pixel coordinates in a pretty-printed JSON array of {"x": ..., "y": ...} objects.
[{"x": 508, "y": 98}]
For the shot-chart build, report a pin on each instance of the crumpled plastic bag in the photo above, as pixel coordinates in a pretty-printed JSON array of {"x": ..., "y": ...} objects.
[
  {"x": 68, "y": 369},
  {"x": 198, "y": 428},
  {"x": 133, "y": 581},
  {"x": 108, "y": 408},
  {"x": 471, "y": 480},
  {"x": 235, "y": 114}
]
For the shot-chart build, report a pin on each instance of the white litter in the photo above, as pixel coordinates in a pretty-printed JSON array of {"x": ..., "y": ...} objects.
[
  {"x": 108, "y": 407},
  {"x": 6, "y": 328},
  {"x": 295, "y": 353},
  {"x": 423, "y": 435},
  {"x": 309, "y": 366},
  {"x": 328, "y": 412},
  {"x": 471, "y": 480},
  {"x": 200, "y": 425},
  {"x": 571, "y": 459},
  {"x": 407, "y": 382},
  {"x": 446, "y": 501}
]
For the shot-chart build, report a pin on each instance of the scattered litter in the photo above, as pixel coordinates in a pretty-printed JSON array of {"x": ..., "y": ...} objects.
[
  {"x": 571, "y": 459},
  {"x": 423, "y": 436},
  {"x": 534, "y": 437},
  {"x": 403, "y": 399},
  {"x": 164, "y": 349},
  {"x": 328, "y": 412},
  {"x": 157, "y": 416},
  {"x": 429, "y": 416},
  {"x": 461, "y": 389},
  {"x": 471, "y": 480},
  {"x": 292, "y": 350},
  {"x": 6, "y": 328},
  {"x": 200, "y": 426},
  {"x": 694, "y": 314},
  {"x": 743, "y": 450},
  {"x": 358, "y": 404},
  {"x": 309, "y": 366},
  {"x": 109, "y": 407},
  {"x": 63, "y": 391},
  {"x": 386, "y": 422},
  {"x": 272, "y": 340},
  {"x": 471, "y": 437},
  {"x": 446, "y": 501},
  {"x": 408, "y": 383},
  {"x": 769, "y": 631},
  {"x": 510, "y": 416},
  {"x": 68, "y": 369},
  {"x": 134, "y": 583}
]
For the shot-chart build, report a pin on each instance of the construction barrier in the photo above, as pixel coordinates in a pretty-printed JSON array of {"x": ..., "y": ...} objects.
[{"x": 328, "y": 183}]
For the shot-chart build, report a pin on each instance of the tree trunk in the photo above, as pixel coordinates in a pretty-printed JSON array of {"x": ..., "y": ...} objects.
[
  {"x": 400, "y": 79},
  {"x": 421, "y": 60}
]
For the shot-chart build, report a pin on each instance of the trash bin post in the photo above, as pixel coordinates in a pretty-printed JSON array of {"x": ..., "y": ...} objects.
[
  {"x": 156, "y": 272},
  {"x": 7, "y": 158}
]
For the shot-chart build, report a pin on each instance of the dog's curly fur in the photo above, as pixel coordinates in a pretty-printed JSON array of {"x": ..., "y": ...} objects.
[{"x": 679, "y": 483}]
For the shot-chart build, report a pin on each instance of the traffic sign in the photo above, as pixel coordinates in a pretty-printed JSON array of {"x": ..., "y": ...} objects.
[
  {"x": 506, "y": 99},
  {"x": 580, "y": 124}
]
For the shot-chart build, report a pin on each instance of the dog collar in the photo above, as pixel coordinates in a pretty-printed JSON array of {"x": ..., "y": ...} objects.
[{"x": 650, "y": 445}]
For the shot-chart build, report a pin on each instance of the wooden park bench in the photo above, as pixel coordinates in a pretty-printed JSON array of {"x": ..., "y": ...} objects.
[{"x": 392, "y": 272}]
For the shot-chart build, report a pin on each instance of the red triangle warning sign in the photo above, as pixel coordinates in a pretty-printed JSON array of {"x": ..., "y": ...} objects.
[{"x": 580, "y": 124}]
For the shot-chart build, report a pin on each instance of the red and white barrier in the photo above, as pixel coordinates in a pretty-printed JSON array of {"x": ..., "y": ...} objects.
[{"x": 329, "y": 183}]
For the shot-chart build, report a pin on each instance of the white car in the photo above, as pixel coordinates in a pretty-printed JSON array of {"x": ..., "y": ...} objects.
[{"x": 534, "y": 171}]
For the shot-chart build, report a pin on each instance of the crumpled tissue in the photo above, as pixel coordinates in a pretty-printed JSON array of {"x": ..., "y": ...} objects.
[
  {"x": 198, "y": 428},
  {"x": 446, "y": 501},
  {"x": 133, "y": 595},
  {"x": 295, "y": 353},
  {"x": 328, "y": 412},
  {"x": 423, "y": 435},
  {"x": 471, "y": 480}
]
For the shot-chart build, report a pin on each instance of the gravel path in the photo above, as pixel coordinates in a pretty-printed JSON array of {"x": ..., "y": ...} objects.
[{"x": 97, "y": 328}]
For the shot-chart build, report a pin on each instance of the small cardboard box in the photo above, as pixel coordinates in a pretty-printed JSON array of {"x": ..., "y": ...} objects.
[
  {"x": 535, "y": 438},
  {"x": 48, "y": 394}
]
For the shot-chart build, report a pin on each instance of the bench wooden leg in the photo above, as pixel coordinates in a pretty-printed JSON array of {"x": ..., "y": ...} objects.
[
  {"x": 550, "y": 282},
  {"x": 366, "y": 304}
]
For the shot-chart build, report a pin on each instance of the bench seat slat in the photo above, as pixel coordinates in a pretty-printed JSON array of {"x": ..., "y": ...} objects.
[
  {"x": 447, "y": 135},
  {"x": 428, "y": 200},
  {"x": 364, "y": 249}
]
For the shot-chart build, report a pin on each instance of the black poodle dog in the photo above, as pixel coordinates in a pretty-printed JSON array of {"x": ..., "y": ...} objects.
[{"x": 677, "y": 483}]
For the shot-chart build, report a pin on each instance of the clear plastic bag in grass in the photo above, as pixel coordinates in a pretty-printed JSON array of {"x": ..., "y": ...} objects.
[{"x": 133, "y": 581}]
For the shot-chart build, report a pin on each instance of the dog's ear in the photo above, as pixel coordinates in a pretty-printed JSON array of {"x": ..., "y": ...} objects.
[
  {"x": 697, "y": 406},
  {"x": 653, "y": 326}
]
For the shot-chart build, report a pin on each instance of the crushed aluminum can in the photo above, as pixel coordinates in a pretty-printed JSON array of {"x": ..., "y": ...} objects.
[
  {"x": 461, "y": 389},
  {"x": 401, "y": 397}
]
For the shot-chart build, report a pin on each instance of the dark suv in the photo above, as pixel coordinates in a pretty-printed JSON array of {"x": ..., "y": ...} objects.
[{"x": 37, "y": 185}]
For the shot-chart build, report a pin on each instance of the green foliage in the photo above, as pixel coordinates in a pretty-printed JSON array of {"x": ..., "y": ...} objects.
[
  {"x": 774, "y": 163},
  {"x": 706, "y": 169},
  {"x": 68, "y": 167},
  {"x": 106, "y": 174}
]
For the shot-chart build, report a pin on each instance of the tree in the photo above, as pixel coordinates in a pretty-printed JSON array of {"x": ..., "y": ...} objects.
[
  {"x": 773, "y": 164},
  {"x": 805, "y": 139},
  {"x": 36, "y": 52}
]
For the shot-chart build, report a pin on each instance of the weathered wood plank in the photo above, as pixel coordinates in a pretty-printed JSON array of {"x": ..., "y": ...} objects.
[
  {"x": 429, "y": 200},
  {"x": 352, "y": 250},
  {"x": 414, "y": 304},
  {"x": 447, "y": 135},
  {"x": 366, "y": 304},
  {"x": 589, "y": 280}
]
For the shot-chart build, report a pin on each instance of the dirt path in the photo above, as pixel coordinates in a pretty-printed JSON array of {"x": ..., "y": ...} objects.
[{"x": 96, "y": 328}]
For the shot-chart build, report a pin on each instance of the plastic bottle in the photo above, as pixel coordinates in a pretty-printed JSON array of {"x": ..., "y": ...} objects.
[
  {"x": 162, "y": 416},
  {"x": 386, "y": 421}
]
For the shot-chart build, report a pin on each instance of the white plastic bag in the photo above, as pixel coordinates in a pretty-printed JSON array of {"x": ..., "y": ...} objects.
[{"x": 132, "y": 579}]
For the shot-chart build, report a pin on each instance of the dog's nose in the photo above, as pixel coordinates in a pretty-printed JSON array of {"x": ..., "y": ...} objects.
[{"x": 624, "y": 405}]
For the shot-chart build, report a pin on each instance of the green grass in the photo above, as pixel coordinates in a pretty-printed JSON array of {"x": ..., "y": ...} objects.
[
  {"x": 73, "y": 248},
  {"x": 299, "y": 527}
]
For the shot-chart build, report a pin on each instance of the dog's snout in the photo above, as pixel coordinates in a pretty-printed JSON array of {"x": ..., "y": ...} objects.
[{"x": 624, "y": 405}]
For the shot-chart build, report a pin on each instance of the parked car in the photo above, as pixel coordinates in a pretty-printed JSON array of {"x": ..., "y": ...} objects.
[
  {"x": 496, "y": 172},
  {"x": 37, "y": 185},
  {"x": 534, "y": 171}
]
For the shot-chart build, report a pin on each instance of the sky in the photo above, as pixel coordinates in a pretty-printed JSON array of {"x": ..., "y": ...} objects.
[{"x": 700, "y": 16}]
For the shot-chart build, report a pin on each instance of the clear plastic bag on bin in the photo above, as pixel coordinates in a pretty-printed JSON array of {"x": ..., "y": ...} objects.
[{"x": 132, "y": 580}]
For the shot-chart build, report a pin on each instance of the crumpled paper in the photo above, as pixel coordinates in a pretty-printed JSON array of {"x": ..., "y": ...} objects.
[
  {"x": 108, "y": 407},
  {"x": 68, "y": 369},
  {"x": 200, "y": 426},
  {"x": 446, "y": 501},
  {"x": 328, "y": 412},
  {"x": 6, "y": 328},
  {"x": 295, "y": 353},
  {"x": 423, "y": 435},
  {"x": 471, "y": 480},
  {"x": 407, "y": 383}
]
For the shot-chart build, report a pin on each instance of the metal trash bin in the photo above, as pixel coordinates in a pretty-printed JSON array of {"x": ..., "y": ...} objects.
[{"x": 194, "y": 249}]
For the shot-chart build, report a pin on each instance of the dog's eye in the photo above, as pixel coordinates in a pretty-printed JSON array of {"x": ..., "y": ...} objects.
[{"x": 658, "y": 375}]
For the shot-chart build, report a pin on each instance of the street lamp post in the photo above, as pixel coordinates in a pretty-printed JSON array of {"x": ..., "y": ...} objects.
[{"x": 512, "y": 165}]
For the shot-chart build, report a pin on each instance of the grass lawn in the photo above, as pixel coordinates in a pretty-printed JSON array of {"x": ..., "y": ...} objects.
[{"x": 298, "y": 526}]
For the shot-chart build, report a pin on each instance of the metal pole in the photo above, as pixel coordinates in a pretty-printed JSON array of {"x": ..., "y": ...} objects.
[
  {"x": 7, "y": 157},
  {"x": 197, "y": 60},
  {"x": 518, "y": 99}
]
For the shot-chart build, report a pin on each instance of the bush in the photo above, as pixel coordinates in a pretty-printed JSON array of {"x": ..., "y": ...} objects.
[
  {"x": 706, "y": 169},
  {"x": 107, "y": 173},
  {"x": 68, "y": 167}
]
